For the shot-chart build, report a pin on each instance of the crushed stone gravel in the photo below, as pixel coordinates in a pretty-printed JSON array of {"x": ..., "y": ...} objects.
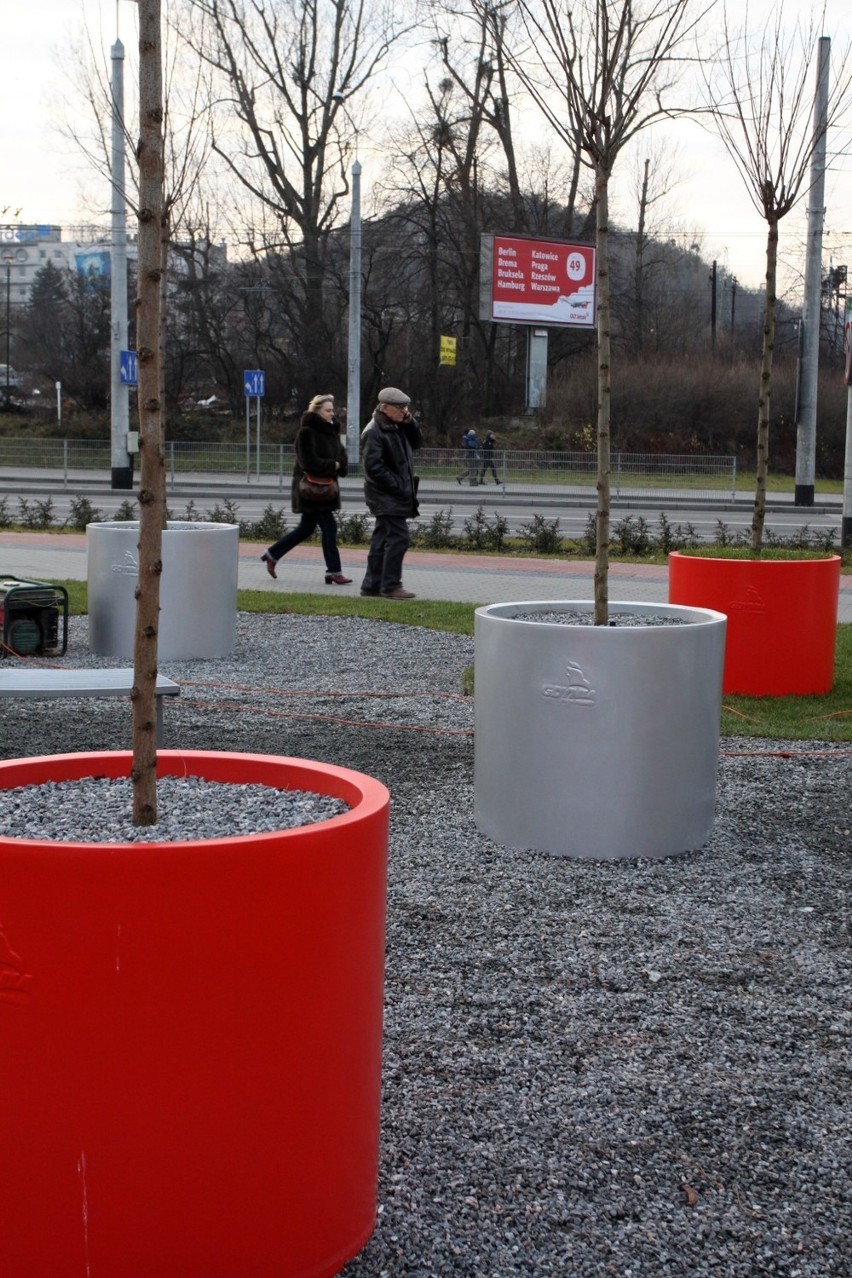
[{"x": 633, "y": 1069}]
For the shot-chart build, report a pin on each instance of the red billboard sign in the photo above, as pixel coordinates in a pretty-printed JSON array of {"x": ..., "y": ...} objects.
[{"x": 539, "y": 281}]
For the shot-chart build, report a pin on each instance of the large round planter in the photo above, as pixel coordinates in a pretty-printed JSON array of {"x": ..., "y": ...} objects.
[
  {"x": 191, "y": 1038},
  {"x": 198, "y": 589},
  {"x": 782, "y": 619},
  {"x": 597, "y": 741}
]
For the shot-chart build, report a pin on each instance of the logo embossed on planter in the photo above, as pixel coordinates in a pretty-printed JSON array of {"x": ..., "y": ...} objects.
[
  {"x": 577, "y": 690},
  {"x": 129, "y": 567},
  {"x": 14, "y": 981},
  {"x": 750, "y": 602}
]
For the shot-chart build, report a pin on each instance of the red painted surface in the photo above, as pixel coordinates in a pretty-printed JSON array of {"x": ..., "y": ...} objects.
[
  {"x": 782, "y": 619},
  {"x": 191, "y": 1039}
]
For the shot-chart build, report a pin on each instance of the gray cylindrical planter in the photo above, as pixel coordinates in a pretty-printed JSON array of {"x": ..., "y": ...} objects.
[
  {"x": 198, "y": 589},
  {"x": 597, "y": 741}
]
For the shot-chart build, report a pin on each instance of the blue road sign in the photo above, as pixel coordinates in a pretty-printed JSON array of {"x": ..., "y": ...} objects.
[
  {"x": 129, "y": 368},
  {"x": 254, "y": 382}
]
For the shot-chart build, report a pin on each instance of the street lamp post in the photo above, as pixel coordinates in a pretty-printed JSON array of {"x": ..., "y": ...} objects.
[
  {"x": 7, "y": 258},
  {"x": 353, "y": 383},
  {"x": 122, "y": 468},
  {"x": 353, "y": 386}
]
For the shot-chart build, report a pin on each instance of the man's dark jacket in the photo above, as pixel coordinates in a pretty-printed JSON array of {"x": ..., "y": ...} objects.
[{"x": 390, "y": 487}]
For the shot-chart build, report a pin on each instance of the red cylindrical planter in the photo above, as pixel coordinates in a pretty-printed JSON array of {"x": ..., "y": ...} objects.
[
  {"x": 782, "y": 619},
  {"x": 190, "y": 1038}
]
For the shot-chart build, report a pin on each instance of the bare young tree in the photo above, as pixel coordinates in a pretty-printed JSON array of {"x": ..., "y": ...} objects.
[
  {"x": 152, "y": 246},
  {"x": 601, "y": 71},
  {"x": 292, "y": 76},
  {"x": 758, "y": 93},
  {"x": 652, "y": 180}
]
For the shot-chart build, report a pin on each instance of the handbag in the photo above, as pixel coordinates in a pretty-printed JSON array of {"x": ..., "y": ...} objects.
[{"x": 319, "y": 492}]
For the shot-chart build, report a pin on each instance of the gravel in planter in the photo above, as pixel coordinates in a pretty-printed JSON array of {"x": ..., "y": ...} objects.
[
  {"x": 566, "y": 617},
  {"x": 97, "y": 810}
]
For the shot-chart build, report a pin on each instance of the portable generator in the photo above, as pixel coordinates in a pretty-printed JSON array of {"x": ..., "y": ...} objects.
[{"x": 33, "y": 618}]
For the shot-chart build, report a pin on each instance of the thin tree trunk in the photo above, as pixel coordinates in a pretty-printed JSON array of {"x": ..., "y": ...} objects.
[
  {"x": 764, "y": 401},
  {"x": 149, "y": 343},
  {"x": 604, "y": 396}
]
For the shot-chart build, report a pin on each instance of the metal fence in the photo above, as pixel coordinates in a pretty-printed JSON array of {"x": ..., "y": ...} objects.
[{"x": 516, "y": 470}]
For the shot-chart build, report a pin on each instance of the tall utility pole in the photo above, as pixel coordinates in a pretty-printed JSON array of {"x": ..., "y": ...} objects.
[
  {"x": 809, "y": 364},
  {"x": 846, "y": 517},
  {"x": 713, "y": 307},
  {"x": 7, "y": 259},
  {"x": 353, "y": 383},
  {"x": 122, "y": 471}
]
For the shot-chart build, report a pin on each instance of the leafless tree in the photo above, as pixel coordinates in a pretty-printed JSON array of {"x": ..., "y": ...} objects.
[
  {"x": 601, "y": 71},
  {"x": 759, "y": 92},
  {"x": 292, "y": 78},
  {"x": 652, "y": 180},
  {"x": 186, "y": 115}
]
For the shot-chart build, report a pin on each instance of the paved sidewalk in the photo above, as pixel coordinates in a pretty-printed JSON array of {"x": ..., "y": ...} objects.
[{"x": 461, "y": 577}]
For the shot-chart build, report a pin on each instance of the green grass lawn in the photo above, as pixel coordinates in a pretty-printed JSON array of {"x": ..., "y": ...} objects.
[{"x": 826, "y": 718}]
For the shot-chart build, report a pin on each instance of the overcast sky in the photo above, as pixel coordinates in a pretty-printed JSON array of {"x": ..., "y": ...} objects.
[{"x": 41, "y": 174}]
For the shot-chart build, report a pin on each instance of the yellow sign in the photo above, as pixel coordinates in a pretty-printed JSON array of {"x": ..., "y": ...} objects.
[{"x": 448, "y": 350}]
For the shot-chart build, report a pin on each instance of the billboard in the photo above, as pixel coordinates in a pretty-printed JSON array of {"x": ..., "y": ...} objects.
[
  {"x": 530, "y": 281},
  {"x": 93, "y": 262}
]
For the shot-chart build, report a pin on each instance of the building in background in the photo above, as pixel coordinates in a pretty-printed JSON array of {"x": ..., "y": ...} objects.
[{"x": 26, "y": 250}]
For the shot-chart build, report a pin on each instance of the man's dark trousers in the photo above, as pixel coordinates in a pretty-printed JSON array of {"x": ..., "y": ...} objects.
[{"x": 387, "y": 548}]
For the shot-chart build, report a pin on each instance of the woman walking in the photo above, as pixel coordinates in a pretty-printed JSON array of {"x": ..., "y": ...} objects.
[{"x": 319, "y": 454}]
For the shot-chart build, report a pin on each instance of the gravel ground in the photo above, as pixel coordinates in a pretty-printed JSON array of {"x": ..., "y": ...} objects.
[{"x": 630, "y": 1068}]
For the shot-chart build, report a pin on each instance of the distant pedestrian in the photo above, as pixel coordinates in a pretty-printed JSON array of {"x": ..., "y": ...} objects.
[
  {"x": 389, "y": 441},
  {"x": 470, "y": 445},
  {"x": 488, "y": 457}
]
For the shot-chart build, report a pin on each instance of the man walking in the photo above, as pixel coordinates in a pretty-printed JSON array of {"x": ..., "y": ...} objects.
[
  {"x": 470, "y": 444},
  {"x": 390, "y": 489},
  {"x": 488, "y": 457}
]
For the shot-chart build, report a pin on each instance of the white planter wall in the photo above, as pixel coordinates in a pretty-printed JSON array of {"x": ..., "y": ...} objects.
[
  {"x": 597, "y": 741},
  {"x": 198, "y": 589}
]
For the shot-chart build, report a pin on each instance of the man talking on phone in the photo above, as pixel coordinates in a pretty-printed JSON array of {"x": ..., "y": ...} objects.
[{"x": 389, "y": 442}]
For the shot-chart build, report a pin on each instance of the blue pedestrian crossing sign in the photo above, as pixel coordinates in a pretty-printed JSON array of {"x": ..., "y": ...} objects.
[
  {"x": 254, "y": 382},
  {"x": 128, "y": 368}
]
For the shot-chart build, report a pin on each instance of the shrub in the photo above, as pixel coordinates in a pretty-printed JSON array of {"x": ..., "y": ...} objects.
[
  {"x": 631, "y": 536},
  {"x": 36, "y": 515},
  {"x": 82, "y": 512},
  {"x": 589, "y": 539},
  {"x": 354, "y": 529},
  {"x": 271, "y": 525},
  {"x": 476, "y": 530},
  {"x": 438, "y": 533},
  {"x": 227, "y": 513},
  {"x": 542, "y": 536}
]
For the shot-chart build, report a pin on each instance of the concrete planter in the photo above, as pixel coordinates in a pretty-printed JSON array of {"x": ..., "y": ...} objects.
[
  {"x": 595, "y": 741},
  {"x": 198, "y": 589},
  {"x": 191, "y": 1063},
  {"x": 782, "y": 619}
]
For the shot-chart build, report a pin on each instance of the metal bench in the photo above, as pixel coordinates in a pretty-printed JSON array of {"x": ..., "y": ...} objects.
[{"x": 36, "y": 682}]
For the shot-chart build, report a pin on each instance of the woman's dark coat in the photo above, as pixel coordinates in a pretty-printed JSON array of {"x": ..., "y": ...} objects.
[{"x": 318, "y": 447}]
